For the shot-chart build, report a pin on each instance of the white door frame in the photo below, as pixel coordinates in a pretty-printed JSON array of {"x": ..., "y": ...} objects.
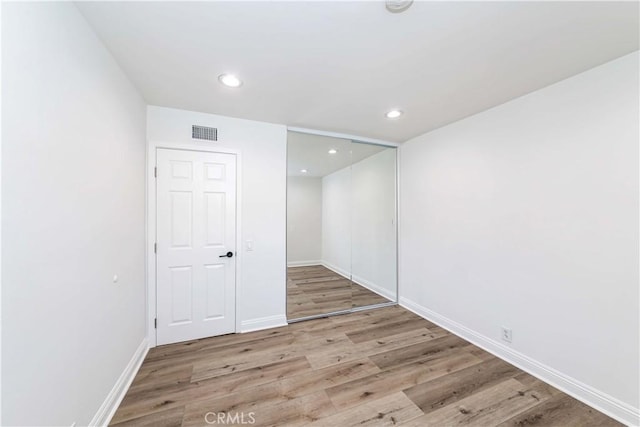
[{"x": 152, "y": 147}]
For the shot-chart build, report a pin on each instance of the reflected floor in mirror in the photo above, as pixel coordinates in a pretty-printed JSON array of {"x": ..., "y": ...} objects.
[{"x": 316, "y": 290}]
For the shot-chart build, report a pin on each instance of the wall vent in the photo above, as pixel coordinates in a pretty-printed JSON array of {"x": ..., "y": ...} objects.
[{"x": 204, "y": 132}]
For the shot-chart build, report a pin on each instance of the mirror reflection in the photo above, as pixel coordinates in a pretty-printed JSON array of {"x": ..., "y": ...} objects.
[{"x": 341, "y": 225}]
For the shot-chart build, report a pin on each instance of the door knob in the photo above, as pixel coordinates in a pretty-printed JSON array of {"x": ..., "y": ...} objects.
[{"x": 227, "y": 255}]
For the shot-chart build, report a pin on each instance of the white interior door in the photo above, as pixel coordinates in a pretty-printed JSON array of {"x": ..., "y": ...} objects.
[{"x": 196, "y": 230}]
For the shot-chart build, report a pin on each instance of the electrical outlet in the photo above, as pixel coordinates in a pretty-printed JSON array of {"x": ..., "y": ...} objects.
[{"x": 507, "y": 335}]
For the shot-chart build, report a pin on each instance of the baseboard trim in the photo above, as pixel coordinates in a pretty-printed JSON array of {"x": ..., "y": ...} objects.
[
  {"x": 115, "y": 396},
  {"x": 383, "y": 292},
  {"x": 336, "y": 269},
  {"x": 603, "y": 402},
  {"x": 304, "y": 263},
  {"x": 263, "y": 323},
  {"x": 361, "y": 281}
]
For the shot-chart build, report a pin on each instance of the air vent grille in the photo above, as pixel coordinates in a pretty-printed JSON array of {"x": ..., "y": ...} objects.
[{"x": 204, "y": 132}]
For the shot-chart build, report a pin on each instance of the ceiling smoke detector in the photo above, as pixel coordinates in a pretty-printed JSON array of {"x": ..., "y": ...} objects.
[{"x": 397, "y": 6}]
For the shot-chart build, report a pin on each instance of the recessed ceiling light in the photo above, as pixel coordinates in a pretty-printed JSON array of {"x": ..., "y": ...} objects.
[
  {"x": 304, "y": 170},
  {"x": 230, "y": 80},
  {"x": 393, "y": 114},
  {"x": 333, "y": 151}
]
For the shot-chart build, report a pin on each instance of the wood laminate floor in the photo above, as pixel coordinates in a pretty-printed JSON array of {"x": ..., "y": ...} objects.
[
  {"x": 317, "y": 290},
  {"x": 380, "y": 367}
]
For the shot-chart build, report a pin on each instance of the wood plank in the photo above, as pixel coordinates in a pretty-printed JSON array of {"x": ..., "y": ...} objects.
[
  {"x": 165, "y": 376},
  {"x": 300, "y": 344},
  {"x": 369, "y": 348},
  {"x": 150, "y": 400},
  {"x": 320, "y": 329},
  {"x": 387, "y": 411},
  {"x": 245, "y": 401},
  {"x": 393, "y": 328},
  {"x": 278, "y": 411},
  {"x": 321, "y": 379},
  {"x": 411, "y": 353},
  {"x": 560, "y": 411},
  {"x": 259, "y": 375},
  {"x": 181, "y": 353},
  {"x": 488, "y": 407},
  {"x": 399, "y": 378},
  {"x": 432, "y": 395},
  {"x": 167, "y": 418}
]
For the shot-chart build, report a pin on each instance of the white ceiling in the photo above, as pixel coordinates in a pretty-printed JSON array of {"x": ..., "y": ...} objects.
[
  {"x": 311, "y": 152},
  {"x": 338, "y": 66}
]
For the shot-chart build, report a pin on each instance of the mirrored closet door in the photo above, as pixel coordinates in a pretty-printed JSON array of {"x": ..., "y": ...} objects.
[{"x": 341, "y": 225}]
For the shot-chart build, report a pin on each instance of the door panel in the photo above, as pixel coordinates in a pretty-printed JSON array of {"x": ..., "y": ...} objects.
[
  {"x": 181, "y": 295},
  {"x": 214, "y": 274},
  {"x": 181, "y": 219},
  {"x": 196, "y": 224},
  {"x": 215, "y": 215}
]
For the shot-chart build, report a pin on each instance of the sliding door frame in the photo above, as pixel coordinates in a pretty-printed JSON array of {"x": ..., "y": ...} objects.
[{"x": 364, "y": 140}]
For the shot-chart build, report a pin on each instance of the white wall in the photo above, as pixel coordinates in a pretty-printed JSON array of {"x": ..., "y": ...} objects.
[
  {"x": 72, "y": 217},
  {"x": 358, "y": 216},
  {"x": 262, "y": 146},
  {"x": 526, "y": 216},
  {"x": 304, "y": 220}
]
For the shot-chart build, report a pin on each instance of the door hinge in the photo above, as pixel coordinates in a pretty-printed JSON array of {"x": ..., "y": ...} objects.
[
  {"x": 155, "y": 248},
  {"x": 155, "y": 323},
  {"x": 155, "y": 172}
]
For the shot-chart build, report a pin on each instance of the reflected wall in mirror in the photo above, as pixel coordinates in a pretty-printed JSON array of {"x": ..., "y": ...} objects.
[
  {"x": 373, "y": 227},
  {"x": 341, "y": 225}
]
